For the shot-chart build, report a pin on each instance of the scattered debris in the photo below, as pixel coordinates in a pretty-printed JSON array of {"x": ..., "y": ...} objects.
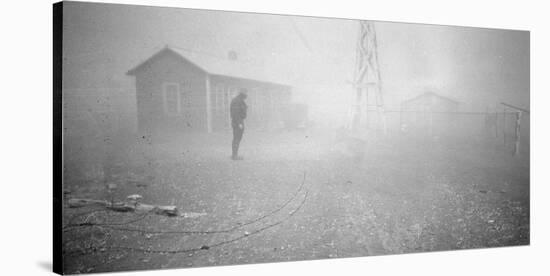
[
  {"x": 192, "y": 215},
  {"x": 80, "y": 202},
  {"x": 134, "y": 197},
  {"x": 124, "y": 206},
  {"x": 112, "y": 186}
]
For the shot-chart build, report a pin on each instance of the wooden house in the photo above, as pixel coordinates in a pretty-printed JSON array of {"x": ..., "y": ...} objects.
[
  {"x": 191, "y": 92},
  {"x": 429, "y": 113}
]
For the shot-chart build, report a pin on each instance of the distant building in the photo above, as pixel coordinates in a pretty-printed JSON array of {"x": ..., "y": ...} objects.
[
  {"x": 177, "y": 92},
  {"x": 429, "y": 113}
]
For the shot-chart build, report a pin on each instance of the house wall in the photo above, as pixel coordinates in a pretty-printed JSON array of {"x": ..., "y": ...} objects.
[
  {"x": 152, "y": 116},
  {"x": 265, "y": 102},
  {"x": 433, "y": 103},
  {"x": 430, "y": 115}
]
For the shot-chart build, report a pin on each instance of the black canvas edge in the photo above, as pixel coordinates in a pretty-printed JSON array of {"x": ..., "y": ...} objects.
[{"x": 57, "y": 262}]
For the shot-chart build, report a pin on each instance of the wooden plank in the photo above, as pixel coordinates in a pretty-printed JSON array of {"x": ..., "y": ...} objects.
[
  {"x": 140, "y": 207},
  {"x": 81, "y": 202},
  {"x": 167, "y": 210}
]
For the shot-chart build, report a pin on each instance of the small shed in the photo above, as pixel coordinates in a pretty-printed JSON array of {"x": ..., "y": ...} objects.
[
  {"x": 429, "y": 113},
  {"x": 191, "y": 92}
]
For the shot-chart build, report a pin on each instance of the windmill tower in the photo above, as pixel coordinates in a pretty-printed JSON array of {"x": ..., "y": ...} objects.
[{"x": 367, "y": 81}]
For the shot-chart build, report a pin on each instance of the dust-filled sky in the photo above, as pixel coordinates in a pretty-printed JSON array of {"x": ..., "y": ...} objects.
[{"x": 478, "y": 67}]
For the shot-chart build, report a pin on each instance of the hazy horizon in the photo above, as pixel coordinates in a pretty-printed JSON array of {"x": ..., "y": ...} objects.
[{"x": 316, "y": 56}]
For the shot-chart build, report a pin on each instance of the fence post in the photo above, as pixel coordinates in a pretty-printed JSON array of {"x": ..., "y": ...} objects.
[
  {"x": 496, "y": 124},
  {"x": 487, "y": 129},
  {"x": 431, "y": 123},
  {"x": 518, "y": 122},
  {"x": 504, "y": 126}
]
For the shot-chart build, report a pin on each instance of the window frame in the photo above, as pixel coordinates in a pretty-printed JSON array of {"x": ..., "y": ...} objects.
[{"x": 165, "y": 86}]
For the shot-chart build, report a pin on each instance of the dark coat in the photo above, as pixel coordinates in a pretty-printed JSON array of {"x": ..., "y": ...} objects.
[{"x": 238, "y": 110}]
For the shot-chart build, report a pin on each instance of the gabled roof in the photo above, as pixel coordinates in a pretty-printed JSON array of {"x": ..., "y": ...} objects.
[
  {"x": 430, "y": 94},
  {"x": 165, "y": 50},
  {"x": 215, "y": 65}
]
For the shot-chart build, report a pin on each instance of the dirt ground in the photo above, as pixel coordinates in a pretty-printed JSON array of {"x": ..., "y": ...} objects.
[{"x": 297, "y": 195}]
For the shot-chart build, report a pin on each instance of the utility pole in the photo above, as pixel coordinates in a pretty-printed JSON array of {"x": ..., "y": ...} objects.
[{"x": 367, "y": 78}]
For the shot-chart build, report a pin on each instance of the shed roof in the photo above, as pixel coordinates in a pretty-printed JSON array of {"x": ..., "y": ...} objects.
[
  {"x": 430, "y": 94},
  {"x": 215, "y": 65}
]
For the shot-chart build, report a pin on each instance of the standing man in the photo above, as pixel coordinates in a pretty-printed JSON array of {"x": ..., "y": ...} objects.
[{"x": 238, "y": 114}]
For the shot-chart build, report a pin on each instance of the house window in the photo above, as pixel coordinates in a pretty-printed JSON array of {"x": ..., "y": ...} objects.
[{"x": 171, "y": 93}]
